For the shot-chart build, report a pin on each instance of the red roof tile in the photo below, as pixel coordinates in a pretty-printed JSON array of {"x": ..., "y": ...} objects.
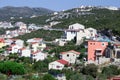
[
  {"x": 64, "y": 62},
  {"x": 71, "y": 51},
  {"x": 35, "y": 52},
  {"x": 37, "y": 38},
  {"x": 34, "y": 42},
  {"x": 22, "y": 48},
  {"x": 2, "y": 40}
]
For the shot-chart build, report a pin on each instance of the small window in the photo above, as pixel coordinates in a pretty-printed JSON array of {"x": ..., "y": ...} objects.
[
  {"x": 103, "y": 44},
  {"x": 67, "y": 55},
  {"x": 90, "y": 43},
  {"x": 57, "y": 66}
]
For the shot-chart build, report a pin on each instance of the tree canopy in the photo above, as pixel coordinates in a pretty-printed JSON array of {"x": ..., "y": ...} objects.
[{"x": 10, "y": 68}]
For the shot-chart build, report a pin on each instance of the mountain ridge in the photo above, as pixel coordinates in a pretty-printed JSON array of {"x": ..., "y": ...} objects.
[{"x": 10, "y": 11}]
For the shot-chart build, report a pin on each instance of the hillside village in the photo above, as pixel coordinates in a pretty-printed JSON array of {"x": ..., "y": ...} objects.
[{"x": 81, "y": 51}]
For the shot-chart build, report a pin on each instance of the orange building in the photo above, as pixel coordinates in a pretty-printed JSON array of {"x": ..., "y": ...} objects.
[{"x": 96, "y": 49}]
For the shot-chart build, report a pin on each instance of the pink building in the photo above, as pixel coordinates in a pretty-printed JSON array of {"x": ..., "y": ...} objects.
[{"x": 96, "y": 49}]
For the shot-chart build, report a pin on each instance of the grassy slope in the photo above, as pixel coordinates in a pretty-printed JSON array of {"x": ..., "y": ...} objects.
[{"x": 45, "y": 34}]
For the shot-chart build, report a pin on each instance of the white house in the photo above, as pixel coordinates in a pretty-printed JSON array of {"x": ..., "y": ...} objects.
[
  {"x": 70, "y": 56},
  {"x": 36, "y": 44},
  {"x": 6, "y": 25},
  {"x": 71, "y": 32},
  {"x": 13, "y": 48},
  {"x": 54, "y": 23},
  {"x": 24, "y": 52},
  {"x": 76, "y": 26},
  {"x": 21, "y": 25},
  {"x": 93, "y": 32},
  {"x": 38, "y": 55},
  {"x": 89, "y": 33},
  {"x": 58, "y": 65},
  {"x": 33, "y": 27},
  {"x": 35, "y": 40},
  {"x": 18, "y": 42}
]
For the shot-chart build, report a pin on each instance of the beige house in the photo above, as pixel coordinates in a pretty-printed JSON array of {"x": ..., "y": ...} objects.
[{"x": 70, "y": 56}]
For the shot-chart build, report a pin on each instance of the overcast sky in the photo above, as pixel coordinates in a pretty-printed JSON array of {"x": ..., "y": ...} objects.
[{"x": 59, "y": 4}]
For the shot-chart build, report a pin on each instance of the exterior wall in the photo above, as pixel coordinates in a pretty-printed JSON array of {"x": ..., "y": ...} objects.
[
  {"x": 39, "y": 56},
  {"x": 20, "y": 43},
  {"x": 93, "y": 32},
  {"x": 76, "y": 26},
  {"x": 94, "y": 45},
  {"x": 80, "y": 35},
  {"x": 56, "y": 65},
  {"x": 15, "y": 49},
  {"x": 35, "y": 47},
  {"x": 70, "y": 35},
  {"x": 42, "y": 46},
  {"x": 70, "y": 57},
  {"x": 23, "y": 26},
  {"x": 26, "y": 53},
  {"x": 2, "y": 44}
]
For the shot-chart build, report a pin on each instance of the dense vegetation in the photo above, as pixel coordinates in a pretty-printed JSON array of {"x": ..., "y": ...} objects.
[
  {"x": 45, "y": 34},
  {"x": 12, "y": 68},
  {"x": 101, "y": 18}
]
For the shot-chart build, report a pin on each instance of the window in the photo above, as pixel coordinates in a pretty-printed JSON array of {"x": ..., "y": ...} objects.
[
  {"x": 67, "y": 55},
  {"x": 57, "y": 66},
  {"x": 90, "y": 43},
  {"x": 103, "y": 44}
]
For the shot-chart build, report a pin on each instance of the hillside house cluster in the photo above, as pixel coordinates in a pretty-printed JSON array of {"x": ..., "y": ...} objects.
[
  {"x": 98, "y": 46},
  {"x": 19, "y": 28},
  {"x": 34, "y": 49},
  {"x": 100, "y": 49}
]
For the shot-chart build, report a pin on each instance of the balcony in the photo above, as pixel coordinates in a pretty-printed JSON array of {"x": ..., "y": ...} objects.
[{"x": 98, "y": 53}]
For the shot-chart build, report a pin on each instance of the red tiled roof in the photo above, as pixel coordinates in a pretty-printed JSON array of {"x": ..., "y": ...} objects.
[
  {"x": 34, "y": 42},
  {"x": 2, "y": 40},
  {"x": 9, "y": 48},
  {"x": 12, "y": 45},
  {"x": 37, "y": 38},
  {"x": 22, "y": 48},
  {"x": 117, "y": 44},
  {"x": 71, "y": 51},
  {"x": 64, "y": 62},
  {"x": 35, "y": 52},
  {"x": 13, "y": 39}
]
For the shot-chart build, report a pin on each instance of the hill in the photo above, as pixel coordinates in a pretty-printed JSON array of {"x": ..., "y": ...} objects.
[
  {"x": 96, "y": 17},
  {"x": 16, "y": 12}
]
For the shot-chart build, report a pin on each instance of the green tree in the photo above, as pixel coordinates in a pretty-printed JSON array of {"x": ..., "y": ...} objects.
[
  {"x": 40, "y": 66},
  {"x": 102, "y": 76},
  {"x": 88, "y": 77},
  {"x": 48, "y": 77},
  {"x": 9, "y": 67},
  {"x": 90, "y": 69},
  {"x": 77, "y": 76},
  {"x": 110, "y": 70}
]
